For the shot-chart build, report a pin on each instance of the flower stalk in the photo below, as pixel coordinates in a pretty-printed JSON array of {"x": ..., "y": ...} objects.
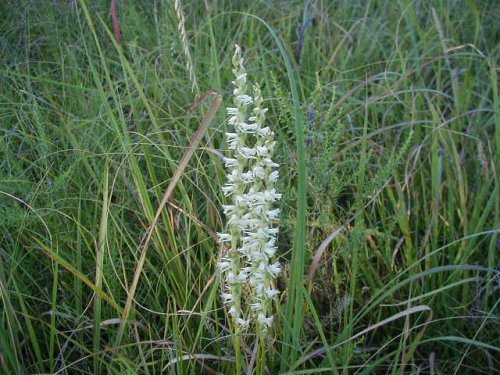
[{"x": 251, "y": 231}]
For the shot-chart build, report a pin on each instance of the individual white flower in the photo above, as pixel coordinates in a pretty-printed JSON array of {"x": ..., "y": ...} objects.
[
  {"x": 230, "y": 163},
  {"x": 245, "y": 100},
  {"x": 256, "y": 306},
  {"x": 247, "y": 152},
  {"x": 273, "y": 214},
  {"x": 269, "y": 251},
  {"x": 233, "y": 311},
  {"x": 264, "y": 131},
  {"x": 271, "y": 293},
  {"x": 242, "y": 78},
  {"x": 270, "y": 164},
  {"x": 267, "y": 321},
  {"x": 224, "y": 237},
  {"x": 227, "y": 297},
  {"x": 274, "y": 269},
  {"x": 228, "y": 189},
  {"x": 242, "y": 322},
  {"x": 224, "y": 265},
  {"x": 246, "y": 128},
  {"x": 273, "y": 176}
]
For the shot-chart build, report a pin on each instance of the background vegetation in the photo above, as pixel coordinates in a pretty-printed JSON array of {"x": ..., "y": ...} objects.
[{"x": 395, "y": 111}]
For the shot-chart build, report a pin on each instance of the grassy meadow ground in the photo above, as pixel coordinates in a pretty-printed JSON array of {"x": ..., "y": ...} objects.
[{"x": 386, "y": 116}]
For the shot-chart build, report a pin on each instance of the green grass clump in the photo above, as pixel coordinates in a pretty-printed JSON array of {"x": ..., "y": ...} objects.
[{"x": 386, "y": 117}]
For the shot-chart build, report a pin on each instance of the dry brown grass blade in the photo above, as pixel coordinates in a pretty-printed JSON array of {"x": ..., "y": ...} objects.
[
  {"x": 208, "y": 230},
  {"x": 195, "y": 140},
  {"x": 116, "y": 24},
  {"x": 319, "y": 252}
]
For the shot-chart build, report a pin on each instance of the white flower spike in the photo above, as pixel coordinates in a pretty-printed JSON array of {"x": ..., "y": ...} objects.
[{"x": 251, "y": 216}]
